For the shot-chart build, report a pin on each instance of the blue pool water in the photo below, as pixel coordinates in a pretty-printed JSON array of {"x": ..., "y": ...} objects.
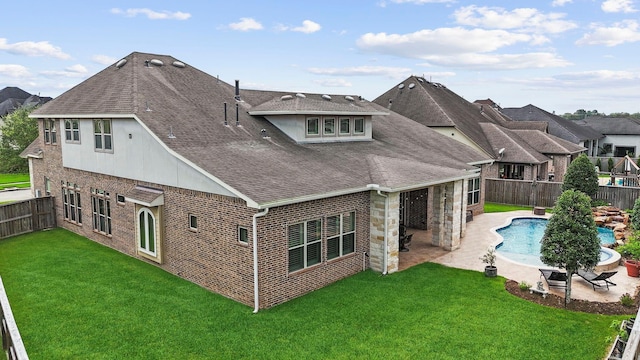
[{"x": 521, "y": 240}]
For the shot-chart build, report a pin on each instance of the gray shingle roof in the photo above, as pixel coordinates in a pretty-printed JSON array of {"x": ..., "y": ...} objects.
[
  {"x": 517, "y": 150},
  {"x": 558, "y": 126},
  {"x": 270, "y": 170},
  {"x": 612, "y": 126}
]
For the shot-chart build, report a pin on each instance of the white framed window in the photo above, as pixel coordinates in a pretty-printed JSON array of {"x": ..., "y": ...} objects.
[
  {"x": 473, "y": 192},
  {"x": 147, "y": 232},
  {"x": 341, "y": 234},
  {"x": 47, "y": 185},
  {"x": 50, "y": 136},
  {"x": 243, "y": 235},
  {"x": 102, "y": 135},
  {"x": 313, "y": 126},
  {"x": 101, "y": 209},
  {"x": 329, "y": 126},
  {"x": 71, "y": 204},
  {"x": 72, "y": 131},
  {"x": 193, "y": 222},
  {"x": 305, "y": 244},
  {"x": 358, "y": 126},
  {"x": 345, "y": 126}
]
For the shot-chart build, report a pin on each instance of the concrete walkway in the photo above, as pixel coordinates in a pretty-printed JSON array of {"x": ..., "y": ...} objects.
[
  {"x": 479, "y": 238},
  {"x": 15, "y": 195}
]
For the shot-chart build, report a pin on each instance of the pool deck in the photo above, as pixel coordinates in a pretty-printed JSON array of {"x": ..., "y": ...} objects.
[{"x": 477, "y": 240}]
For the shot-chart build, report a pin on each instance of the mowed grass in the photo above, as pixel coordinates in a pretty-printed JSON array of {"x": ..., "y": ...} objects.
[
  {"x": 75, "y": 299},
  {"x": 495, "y": 207},
  {"x": 14, "y": 181}
]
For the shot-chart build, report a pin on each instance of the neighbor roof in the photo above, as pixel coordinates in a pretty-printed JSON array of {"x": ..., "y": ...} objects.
[
  {"x": 264, "y": 170},
  {"x": 558, "y": 126},
  {"x": 612, "y": 126}
]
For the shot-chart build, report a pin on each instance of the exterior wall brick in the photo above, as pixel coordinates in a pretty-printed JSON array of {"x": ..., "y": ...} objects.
[{"x": 212, "y": 256}]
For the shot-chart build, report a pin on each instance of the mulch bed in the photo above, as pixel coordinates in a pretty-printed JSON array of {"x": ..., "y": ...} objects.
[{"x": 593, "y": 307}]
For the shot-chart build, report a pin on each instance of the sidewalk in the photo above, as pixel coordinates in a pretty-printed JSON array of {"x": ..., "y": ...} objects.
[{"x": 15, "y": 195}]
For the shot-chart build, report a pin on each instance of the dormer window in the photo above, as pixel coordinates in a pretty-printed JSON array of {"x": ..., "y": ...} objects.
[
  {"x": 329, "y": 126},
  {"x": 312, "y": 126}
]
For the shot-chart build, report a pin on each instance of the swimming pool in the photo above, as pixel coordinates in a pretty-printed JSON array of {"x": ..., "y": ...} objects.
[{"x": 521, "y": 242}]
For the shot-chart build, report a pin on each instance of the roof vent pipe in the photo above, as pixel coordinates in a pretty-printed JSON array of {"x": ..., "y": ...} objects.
[
  {"x": 146, "y": 63},
  {"x": 225, "y": 113},
  {"x": 237, "y": 117},
  {"x": 237, "y": 90}
]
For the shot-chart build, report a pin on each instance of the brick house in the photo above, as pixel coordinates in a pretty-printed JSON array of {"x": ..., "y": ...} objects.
[
  {"x": 521, "y": 150},
  {"x": 260, "y": 196}
]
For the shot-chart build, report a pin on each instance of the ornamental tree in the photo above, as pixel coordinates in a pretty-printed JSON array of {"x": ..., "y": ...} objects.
[
  {"x": 18, "y": 131},
  {"x": 581, "y": 175},
  {"x": 571, "y": 240}
]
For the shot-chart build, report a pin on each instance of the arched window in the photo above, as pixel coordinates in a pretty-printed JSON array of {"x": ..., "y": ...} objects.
[{"x": 147, "y": 232}]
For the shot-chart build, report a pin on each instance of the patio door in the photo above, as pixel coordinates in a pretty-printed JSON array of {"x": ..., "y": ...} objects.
[{"x": 413, "y": 209}]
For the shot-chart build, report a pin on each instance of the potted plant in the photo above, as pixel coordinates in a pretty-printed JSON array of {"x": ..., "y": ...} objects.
[
  {"x": 631, "y": 254},
  {"x": 489, "y": 258}
]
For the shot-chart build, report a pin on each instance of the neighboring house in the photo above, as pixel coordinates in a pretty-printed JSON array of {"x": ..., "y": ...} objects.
[
  {"x": 559, "y": 126},
  {"x": 481, "y": 126},
  {"x": 621, "y": 135},
  {"x": 11, "y": 98},
  {"x": 260, "y": 196}
]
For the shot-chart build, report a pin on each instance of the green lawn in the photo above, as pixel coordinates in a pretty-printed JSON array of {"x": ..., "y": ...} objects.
[
  {"x": 14, "y": 180},
  {"x": 494, "y": 207},
  {"x": 75, "y": 299}
]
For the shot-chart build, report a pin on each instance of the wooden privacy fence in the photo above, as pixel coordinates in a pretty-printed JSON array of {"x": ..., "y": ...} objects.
[
  {"x": 27, "y": 216},
  {"x": 545, "y": 193}
]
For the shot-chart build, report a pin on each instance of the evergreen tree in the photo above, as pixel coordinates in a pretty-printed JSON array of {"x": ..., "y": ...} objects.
[
  {"x": 571, "y": 240},
  {"x": 18, "y": 131},
  {"x": 581, "y": 175}
]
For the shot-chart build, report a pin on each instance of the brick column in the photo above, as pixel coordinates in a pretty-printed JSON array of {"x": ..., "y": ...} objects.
[{"x": 378, "y": 219}]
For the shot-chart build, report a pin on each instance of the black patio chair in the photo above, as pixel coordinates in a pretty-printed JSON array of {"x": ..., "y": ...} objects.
[
  {"x": 554, "y": 278},
  {"x": 598, "y": 280}
]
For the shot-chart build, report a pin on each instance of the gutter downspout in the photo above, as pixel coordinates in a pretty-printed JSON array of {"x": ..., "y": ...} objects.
[
  {"x": 256, "y": 299},
  {"x": 386, "y": 213}
]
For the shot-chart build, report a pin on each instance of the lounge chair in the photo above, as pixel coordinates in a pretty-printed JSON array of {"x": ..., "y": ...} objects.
[
  {"x": 598, "y": 280},
  {"x": 554, "y": 278}
]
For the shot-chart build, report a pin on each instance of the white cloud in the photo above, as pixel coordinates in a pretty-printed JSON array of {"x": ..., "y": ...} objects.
[
  {"x": 619, "y": 33},
  {"x": 31, "y": 48},
  {"x": 556, "y": 3},
  {"x": 599, "y": 77},
  {"x": 393, "y": 72},
  {"x": 14, "y": 71},
  {"x": 333, "y": 83},
  {"x": 151, "y": 14},
  {"x": 616, "y": 6},
  {"x": 103, "y": 59},
  {"x": 445, "y": 41},
  {"x": 74, "y": 71},
  {"x": 499, "y": 61},
  {"x": 524, "y": 19},
  {"x": 246, "y": 24},
  {"x": 307, "y": 27}
]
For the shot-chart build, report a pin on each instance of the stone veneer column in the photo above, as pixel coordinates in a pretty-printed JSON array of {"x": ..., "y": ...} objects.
[
  {"x": 449, "y": 215},
  {"x": 437, "y": 236},
  {"x": 376, "y": 244}
]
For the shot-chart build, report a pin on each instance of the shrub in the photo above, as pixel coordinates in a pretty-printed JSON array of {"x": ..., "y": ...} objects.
[
  {"x": 524, "y": 286},
  {"x": 635, "y": 215},
  {"x": 611, "y": 164},
  {"x": 581, "y": 175},
  {"x": 626, "y": 300},
  {"x": 599, "y": 164}
]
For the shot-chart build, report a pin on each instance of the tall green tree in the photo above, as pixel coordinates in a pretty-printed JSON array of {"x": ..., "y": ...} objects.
[
  {"x": 571, "y": 240},
  {"x": 18, "y": 131},
  {"x": 581, "y": 175}
]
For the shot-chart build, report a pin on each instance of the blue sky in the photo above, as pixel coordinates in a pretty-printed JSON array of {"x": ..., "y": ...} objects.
[{"x": 560, "y": 55}]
